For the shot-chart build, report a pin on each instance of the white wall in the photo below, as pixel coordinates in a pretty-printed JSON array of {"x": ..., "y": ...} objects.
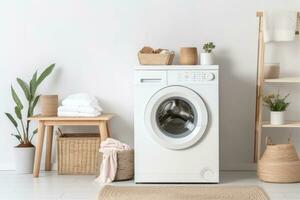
[{"x": 94, "y": 43}]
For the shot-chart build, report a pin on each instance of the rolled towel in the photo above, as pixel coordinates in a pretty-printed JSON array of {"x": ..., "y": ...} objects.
[
  {"x": 77, "y": 114},
  {"x": 80, "y": 99},
  {"x": 80, "y": 109}
]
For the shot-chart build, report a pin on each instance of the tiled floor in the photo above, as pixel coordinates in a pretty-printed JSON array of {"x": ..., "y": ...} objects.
[{"x": 51, "y": 186}]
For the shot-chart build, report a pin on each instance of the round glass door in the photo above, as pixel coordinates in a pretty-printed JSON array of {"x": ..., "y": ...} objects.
[{"x": 176, "y": 117}]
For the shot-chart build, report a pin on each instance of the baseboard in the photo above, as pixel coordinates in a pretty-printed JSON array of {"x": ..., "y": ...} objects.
[
  {"x": 239, "y": 167},
  {"x": 7, "y": 167},
  {"x": 224, "y": 167},
  {"x": 12, "y": 167}
]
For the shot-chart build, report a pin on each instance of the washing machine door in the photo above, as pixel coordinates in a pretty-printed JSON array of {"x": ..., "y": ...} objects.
[{"x": 176, "y": 117}]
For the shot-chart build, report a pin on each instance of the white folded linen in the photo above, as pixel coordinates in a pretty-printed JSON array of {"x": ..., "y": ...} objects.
[
  {"x": 80, "y": 109},
  {"x": 279, "y": 26},
  {"x": 80, "y": 99},
  {"x": 77, "y": 114}
]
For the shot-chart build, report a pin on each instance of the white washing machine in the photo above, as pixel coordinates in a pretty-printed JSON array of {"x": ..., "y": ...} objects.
[{"x": 176, "y": 124}]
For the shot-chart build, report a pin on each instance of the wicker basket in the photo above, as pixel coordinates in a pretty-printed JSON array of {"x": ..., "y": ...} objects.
[
  {"x": 279, "y": 164},
  {"x": 155, "y": 59},
  {"x": 78, "y": 153},
  {"x": 125, "y": 161}
]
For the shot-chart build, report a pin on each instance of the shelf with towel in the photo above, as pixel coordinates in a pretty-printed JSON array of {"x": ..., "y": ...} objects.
[
  {"x": 283, "y": 80},
  {"x": 263, "y": 37},
  {"x": 261, "y": 14},
  {"x": 288, "y": 124}
]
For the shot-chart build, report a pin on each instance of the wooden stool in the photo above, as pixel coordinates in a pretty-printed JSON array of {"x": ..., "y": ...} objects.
[{"x": 101, "y": 121}]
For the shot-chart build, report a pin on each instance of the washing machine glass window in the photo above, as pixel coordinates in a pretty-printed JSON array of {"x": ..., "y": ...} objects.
[
  {"x": 176, "y": 117},
  {"x": 174, "y": 121}
]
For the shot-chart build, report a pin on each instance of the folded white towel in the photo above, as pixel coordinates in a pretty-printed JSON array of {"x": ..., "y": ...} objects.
[
  {"x": 80, "y": 99},
  {"x": 77, "y": 114},
  {"x": 80, "y": 109},
  {"x": 279, "y": 26},
  {"x": 109, "y": 165}
]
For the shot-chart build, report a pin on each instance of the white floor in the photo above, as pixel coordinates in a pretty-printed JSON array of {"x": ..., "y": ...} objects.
[{"x": 51, "y": 186}]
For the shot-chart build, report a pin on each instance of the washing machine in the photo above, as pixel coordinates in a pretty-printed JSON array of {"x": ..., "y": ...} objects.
[{"x": 176, "y": 124}]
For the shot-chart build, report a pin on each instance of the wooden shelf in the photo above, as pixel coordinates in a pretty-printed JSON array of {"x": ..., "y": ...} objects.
[
  {"x": 283, "y": 80},
  {"x": 288, "y": 124},
  {"x": 260, "y": 81}
]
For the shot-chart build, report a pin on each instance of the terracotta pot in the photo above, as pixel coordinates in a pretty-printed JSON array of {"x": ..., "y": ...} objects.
[
  {"x": 49, "y": 104},
  {"x": 188, "y": 56}
]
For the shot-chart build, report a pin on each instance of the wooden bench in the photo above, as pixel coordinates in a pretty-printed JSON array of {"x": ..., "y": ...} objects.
[{"x": 101, "y": 121}]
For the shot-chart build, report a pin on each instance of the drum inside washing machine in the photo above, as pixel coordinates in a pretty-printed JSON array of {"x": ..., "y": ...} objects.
[{"x": 176, "y": 117}]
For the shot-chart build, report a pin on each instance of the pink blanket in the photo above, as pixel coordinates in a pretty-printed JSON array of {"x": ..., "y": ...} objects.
[{"x": 109, "y": 164}]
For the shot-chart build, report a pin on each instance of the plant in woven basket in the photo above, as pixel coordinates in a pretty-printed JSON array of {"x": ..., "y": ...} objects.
[
  {"x": 29, "y": 89},
  {"x": 276, "y": 102}
]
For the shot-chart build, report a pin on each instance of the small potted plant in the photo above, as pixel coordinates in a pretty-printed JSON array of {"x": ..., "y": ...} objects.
[
  {"x": 207, "y": 56},
  {"x": 24, "y": 151},
  {"x": 277, "y": 105}
]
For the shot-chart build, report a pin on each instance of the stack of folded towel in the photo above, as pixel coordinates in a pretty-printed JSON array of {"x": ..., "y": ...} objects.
[{"x": 79, "y": 105}]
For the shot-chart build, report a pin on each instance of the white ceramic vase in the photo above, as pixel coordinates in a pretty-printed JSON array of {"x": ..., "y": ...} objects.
[
  {"x": 206, "y": 59},
  {"x": 24, "y": 157},
  {"x": 277, "y": 117}
]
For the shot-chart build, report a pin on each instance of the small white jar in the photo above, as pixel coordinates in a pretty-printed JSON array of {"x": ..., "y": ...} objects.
[
  {"x": 277, "y": 117},
  {"x": 206, "y": 59}
]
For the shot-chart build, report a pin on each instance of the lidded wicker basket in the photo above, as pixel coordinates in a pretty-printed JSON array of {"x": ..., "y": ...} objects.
[{"x": 279, "y": 163}]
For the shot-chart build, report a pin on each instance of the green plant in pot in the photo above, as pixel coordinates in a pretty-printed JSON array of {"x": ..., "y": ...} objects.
[
  {"x": 24, "y": 152},
  {"x": 207, "y": 56},
  {"x": 277, "y": 105}
]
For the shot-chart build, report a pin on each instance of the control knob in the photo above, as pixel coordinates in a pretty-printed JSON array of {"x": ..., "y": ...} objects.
[{"x": 209, "y": 76}]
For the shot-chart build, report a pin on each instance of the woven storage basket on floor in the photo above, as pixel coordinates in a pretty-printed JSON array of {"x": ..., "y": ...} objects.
[
  {"x": 78, "y": 153},
  {"x": 279, "y": 164},
  {"x": 125, "y": 170}
]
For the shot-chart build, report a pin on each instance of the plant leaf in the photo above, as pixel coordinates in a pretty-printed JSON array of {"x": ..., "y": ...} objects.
[
  {"x": 35, "y": 131},
  {"x": 16, "y": 98},
  {"x": 36, "y": 99},
  {"x": 33, "y": 134},
  {"x": 45, "y": 73},
  {"x": 33, "y": 84},
  {"x": 25, "y": 88},
  {"x": 17, "y": 136},
  {"x": 18, "y": 112},
  {"x": 11, "y": 118}
]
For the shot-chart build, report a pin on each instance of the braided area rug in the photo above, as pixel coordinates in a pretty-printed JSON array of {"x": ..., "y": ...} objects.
[{"x": 182, "y": 193}]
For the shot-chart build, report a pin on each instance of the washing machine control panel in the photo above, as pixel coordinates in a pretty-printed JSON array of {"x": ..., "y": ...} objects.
[{"x": 194, "y": 76}]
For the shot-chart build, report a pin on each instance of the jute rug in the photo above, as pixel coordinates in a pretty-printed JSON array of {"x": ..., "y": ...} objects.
[{"x": 182, "y": 193}]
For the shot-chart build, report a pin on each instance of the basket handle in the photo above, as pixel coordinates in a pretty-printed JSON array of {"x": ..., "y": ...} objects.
[{"x": 268, "y": 140}]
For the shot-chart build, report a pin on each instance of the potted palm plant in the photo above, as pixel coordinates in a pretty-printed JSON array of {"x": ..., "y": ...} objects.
[
  {"x": 207, "y": 56},
  {"x": 24, "y": 151},
  {"x": 277, "y": 105}
]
